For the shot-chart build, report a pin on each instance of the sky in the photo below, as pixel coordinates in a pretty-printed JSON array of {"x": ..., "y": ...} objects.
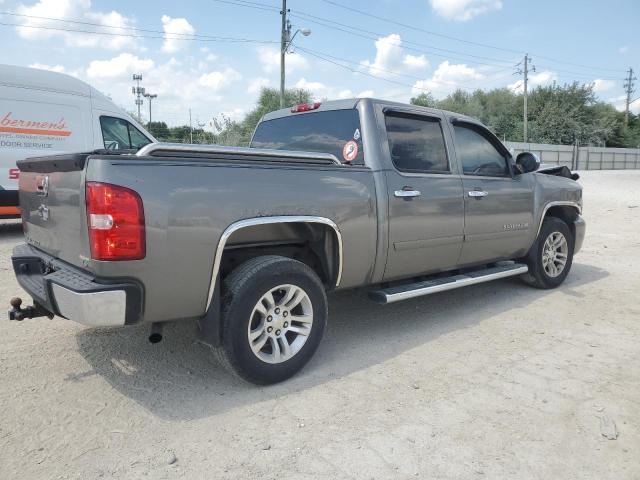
[{"x": 213, "y": 56}]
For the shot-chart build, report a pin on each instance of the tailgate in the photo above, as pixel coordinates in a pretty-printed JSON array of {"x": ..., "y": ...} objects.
[{"x": 52, "y": 203}]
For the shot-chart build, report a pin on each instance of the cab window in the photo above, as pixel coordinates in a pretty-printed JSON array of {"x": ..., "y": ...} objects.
[
  {"x": 416, "y": 143},
  {"x": 118, "y": 134},
  {"x": 477, "y": 154}
]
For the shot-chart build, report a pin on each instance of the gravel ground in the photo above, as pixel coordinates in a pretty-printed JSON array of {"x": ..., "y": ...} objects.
[{"x": 493, "y": 381}]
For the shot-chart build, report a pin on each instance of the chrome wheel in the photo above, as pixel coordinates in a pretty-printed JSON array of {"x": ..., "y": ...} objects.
[
  {"x": 280, "y": 323},
  {"x": 554, "y": 254}
]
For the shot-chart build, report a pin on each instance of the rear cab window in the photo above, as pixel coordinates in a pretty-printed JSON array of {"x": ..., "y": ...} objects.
[
  {"x": 416, "y": 143},
  {"x": 333, "y": 131},
  {"x": 119, "y": 134}
]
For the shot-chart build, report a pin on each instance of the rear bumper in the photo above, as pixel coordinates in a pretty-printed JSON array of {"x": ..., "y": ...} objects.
[
  {"x": 75, "y": 294},
  {"x": 580, "y": 227}
]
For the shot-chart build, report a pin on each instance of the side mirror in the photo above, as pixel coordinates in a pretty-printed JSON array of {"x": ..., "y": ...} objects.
[{"x": 527, "y": 162}]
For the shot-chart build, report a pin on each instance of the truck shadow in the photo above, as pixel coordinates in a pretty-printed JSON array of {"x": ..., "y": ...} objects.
[{"x": 180, "y": 379}]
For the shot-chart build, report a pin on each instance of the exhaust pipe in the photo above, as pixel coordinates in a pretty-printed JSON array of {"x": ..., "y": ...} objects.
[{"x": 155, "y": 335}]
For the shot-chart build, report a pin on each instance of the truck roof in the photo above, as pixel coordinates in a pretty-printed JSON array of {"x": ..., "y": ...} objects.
[
  {"x": 25, "y": 77},
  {"x": 352, "y": 102}
]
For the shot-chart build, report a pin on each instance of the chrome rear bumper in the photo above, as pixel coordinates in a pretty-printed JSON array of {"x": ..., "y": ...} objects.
[{"x": 73, "y": 293}]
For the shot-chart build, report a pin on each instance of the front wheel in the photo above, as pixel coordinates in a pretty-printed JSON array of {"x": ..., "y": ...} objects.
[
  {"x": 551, "y": 256},
  {"x": 274, "y": 314}
]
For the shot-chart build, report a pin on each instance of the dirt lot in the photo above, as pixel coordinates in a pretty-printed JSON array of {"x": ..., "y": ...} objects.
[{"x": 493, "y": 381}]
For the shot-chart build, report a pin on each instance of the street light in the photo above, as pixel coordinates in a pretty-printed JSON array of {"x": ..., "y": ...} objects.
[{"x": 150, "y": 96}]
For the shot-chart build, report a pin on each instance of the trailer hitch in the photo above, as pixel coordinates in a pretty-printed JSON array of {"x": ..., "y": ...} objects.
[{"x": 33, "y": 311}]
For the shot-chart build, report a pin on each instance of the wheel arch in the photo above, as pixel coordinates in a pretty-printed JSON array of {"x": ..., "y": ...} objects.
[
  {"x": 268, "y": 235},
  {"x": 564, "y": 210}
]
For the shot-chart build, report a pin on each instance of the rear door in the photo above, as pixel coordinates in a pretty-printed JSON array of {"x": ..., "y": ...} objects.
[
  {"x": 426, "y": 215},
  {"x": 498, "y": 205}
]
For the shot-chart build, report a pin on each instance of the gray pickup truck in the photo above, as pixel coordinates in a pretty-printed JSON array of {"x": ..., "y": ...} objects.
[{"x": 396, "y": 200}]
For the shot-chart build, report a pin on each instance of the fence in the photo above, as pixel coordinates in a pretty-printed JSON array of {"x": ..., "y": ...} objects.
[{"x": 581, "y": 158}]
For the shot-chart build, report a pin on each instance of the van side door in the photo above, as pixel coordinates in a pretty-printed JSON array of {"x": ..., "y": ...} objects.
[
  {"x": 424, "y": 188},
  {"x": 498, "y": 204}
]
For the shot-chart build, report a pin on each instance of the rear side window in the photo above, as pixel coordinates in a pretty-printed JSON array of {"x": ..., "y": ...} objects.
[
  {"x": 118, "y": 134},
  {"x": 416, "y": 143},
  {"x": 334, "y": 131},
  {"x": 477, "y": 155}
]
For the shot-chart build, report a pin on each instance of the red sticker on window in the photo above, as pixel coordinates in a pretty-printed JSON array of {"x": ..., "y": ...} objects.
[
  {"x": 350, "y": 151},
  {"x": 14, "y": 173}
]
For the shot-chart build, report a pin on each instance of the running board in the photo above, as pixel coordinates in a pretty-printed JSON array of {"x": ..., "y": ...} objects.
[{"x": 427, "y": 287}]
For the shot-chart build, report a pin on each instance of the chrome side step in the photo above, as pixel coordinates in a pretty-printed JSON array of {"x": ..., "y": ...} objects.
[{"x": 427, "y": 287}]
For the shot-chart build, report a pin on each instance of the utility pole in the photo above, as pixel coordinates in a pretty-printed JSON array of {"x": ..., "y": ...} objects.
[
  {"x": 525, "y": 72},
  {"x": 628, "y": 85},
  {"x": 284, "y": 38},
  {"x": 150, "y": 96},
  {"x": 190, "y": 128},
  {"x": 138, "y": 91}
]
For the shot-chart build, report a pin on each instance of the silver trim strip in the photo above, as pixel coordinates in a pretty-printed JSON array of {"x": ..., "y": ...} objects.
[
  {"x": 555, "y": 204},
  {"x": 96, "y": 309},
  {"x": 461, "y": 281},
  {"x": 478, "y": 193},
  {"x": 249, "y": 222},
  {"x": 284, "y": 155}
]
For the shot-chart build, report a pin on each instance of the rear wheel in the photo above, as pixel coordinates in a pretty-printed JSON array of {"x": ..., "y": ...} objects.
[
  {"x": 551, "y": 256},
  {"x": 274, "y": 314}
]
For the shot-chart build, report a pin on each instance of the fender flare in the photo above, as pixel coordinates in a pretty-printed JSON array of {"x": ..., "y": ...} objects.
[{"x": 249, "y": 222}]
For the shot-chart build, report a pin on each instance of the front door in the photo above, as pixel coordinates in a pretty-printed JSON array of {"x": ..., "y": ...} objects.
[
  {"x": 498, "y": 206},
  {"x": 426, "y": 212}
]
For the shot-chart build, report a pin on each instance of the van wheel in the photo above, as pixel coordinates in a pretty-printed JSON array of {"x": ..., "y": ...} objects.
[
  {"x": 551, "y": 256},
  {"x": 274, "y": 313}
]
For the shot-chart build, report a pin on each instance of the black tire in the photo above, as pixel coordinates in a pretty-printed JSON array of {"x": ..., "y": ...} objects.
[
  {"x": 537, "y": 275},
  {"x": 243, "y": 289}
]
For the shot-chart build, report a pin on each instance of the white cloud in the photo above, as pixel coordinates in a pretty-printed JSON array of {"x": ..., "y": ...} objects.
[
  {"x": 79, "y": 10},
  {"x": 620, "y": 103},
  {"x": 537, "y": 80},
  {"x": 600, "y": 85},
  {"x": 623, "y": 49},
  {"x": 257, "y": 84},
  {"x": 175, "y": 32},
  {"x": 216, "y": 81},
  {"x": 390, "y": 57},
  {"x": 270, "y": 60},
  {"x": 322, "y": 91},
  {"x": 463, "y": 10},
  {"x": 447, "y": 78},
  {"x": 122, "y": 66},
  {"x": 365, "y": 93},
  {"x": 52, "y": 68}
]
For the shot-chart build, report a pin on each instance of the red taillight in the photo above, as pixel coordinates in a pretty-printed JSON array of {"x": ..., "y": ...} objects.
[
  {"x": 305, "y": 107},
  {"x": 116, "y": 222}
]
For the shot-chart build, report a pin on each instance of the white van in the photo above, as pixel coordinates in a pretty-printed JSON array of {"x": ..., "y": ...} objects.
[{"x": 47, "y": 113}]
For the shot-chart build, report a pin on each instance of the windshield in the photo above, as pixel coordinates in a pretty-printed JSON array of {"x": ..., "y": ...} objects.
[{"x": 334, "y": 131}]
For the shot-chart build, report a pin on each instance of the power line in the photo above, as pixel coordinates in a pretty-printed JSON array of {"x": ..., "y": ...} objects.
[
  {"x": 393, "y": 72},
  {"x": 370, "y": 35},
  {"x": 429, "y": 32},
  {"x": 449, "y": 37},
  {"x": 194, "y": 37},
  {"x": 378, "y": 34}
]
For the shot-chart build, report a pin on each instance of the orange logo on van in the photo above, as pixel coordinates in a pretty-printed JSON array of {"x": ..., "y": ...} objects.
[{"x": 33, "y": 127}]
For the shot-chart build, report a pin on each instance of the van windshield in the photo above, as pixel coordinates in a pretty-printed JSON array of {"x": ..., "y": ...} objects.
[{"x": 334, "y": 131}]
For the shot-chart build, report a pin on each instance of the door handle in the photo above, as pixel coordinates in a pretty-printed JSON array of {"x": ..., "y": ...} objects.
[
  {"x": 407, "y": 193},
  {"x": 478, "y": 193}
]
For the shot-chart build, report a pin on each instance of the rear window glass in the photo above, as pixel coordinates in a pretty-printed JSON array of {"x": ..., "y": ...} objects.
[{"x": 335, "y": 131}]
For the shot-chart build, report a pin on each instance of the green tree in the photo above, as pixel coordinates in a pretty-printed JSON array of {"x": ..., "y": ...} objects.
[{"x": 425, "y": 99}]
